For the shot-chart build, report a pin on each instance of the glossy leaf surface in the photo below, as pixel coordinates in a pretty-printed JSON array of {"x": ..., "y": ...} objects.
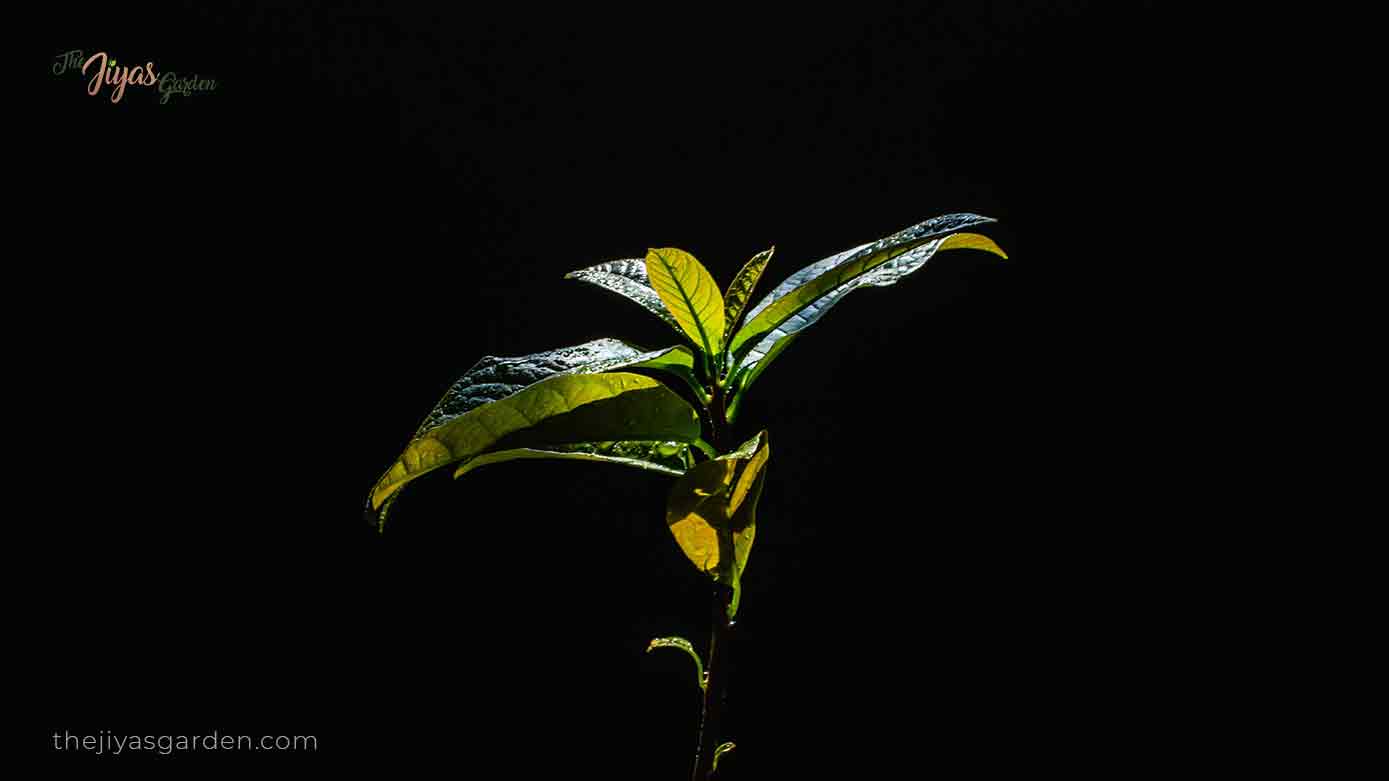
[
  {"x": 814, "y": 282},
  {"x": 756, "y": 359},
  {"x": 628, "y": 279}
]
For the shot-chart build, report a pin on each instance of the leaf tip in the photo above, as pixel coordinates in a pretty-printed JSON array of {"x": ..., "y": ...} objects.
[
  {"x": 974, "y": 241},
  {"x": 372, "y": 516},
  {"x": 376, "y": 509}
]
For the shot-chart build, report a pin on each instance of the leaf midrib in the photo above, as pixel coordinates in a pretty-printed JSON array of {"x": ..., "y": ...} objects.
[{"x": 689, "y": 305}]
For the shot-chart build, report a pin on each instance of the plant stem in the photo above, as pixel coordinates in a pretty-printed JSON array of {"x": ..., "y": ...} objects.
[
  {"x": 721, "y": 636},
  {"x": 710, "y": 718},
  {"x": 718, "y": 419}
]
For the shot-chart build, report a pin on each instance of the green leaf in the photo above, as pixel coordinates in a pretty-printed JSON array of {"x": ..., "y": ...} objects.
[
  {"x": 739, "y": 292},
  {"x": 680, "y": 643},
  {"x": 706, "y": 448},
  {"x": 671, "y": 458},
  {"x": 560, "y": 397},
  {"x": 690, "y": 294},
  {"x": 628, "y": 279},
  {"x": 712, "y": 512},
  {"x": 816, "y": 278},
  {"x": 808, "y": 286}
]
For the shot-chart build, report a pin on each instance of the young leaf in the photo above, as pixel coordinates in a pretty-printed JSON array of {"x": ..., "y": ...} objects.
[
  {"x": 812, "y": 283},
  {"x": 723, "y": 748},
  {"x": 739, "y": 292},
  {"x": 628, "y": 279},
  {"x": 571, "y": 395},
  {"x": 712, "y": 512},
  {"x": 690, "y": 294},
  {"x": 682, "y": 644},
  {"x": 671, "y": 458}
]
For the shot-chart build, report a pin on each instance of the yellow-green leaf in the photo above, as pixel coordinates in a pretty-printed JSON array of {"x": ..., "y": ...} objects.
[
  {"x": 689, "y": 293},
  {"x": 973, "y": 241},
  {"x": 567, "y": 400},
  {"x": 641, "y": 408},
  {"x": 735, "y": 299},
  {"x": 712, "y": 512}
]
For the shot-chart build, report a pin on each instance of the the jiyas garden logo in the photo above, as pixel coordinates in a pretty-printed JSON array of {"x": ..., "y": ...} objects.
[{"x": 107, "y": 76}]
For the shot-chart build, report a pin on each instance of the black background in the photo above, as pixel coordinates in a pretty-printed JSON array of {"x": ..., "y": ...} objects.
[{"x": 263, "y": 289}]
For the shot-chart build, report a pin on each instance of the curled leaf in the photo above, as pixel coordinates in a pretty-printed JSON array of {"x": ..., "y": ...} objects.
[
  {"x": 682, "y": 644},
  {"x": 723, "y": 748},
  {"x": 712, "y": 512}
]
